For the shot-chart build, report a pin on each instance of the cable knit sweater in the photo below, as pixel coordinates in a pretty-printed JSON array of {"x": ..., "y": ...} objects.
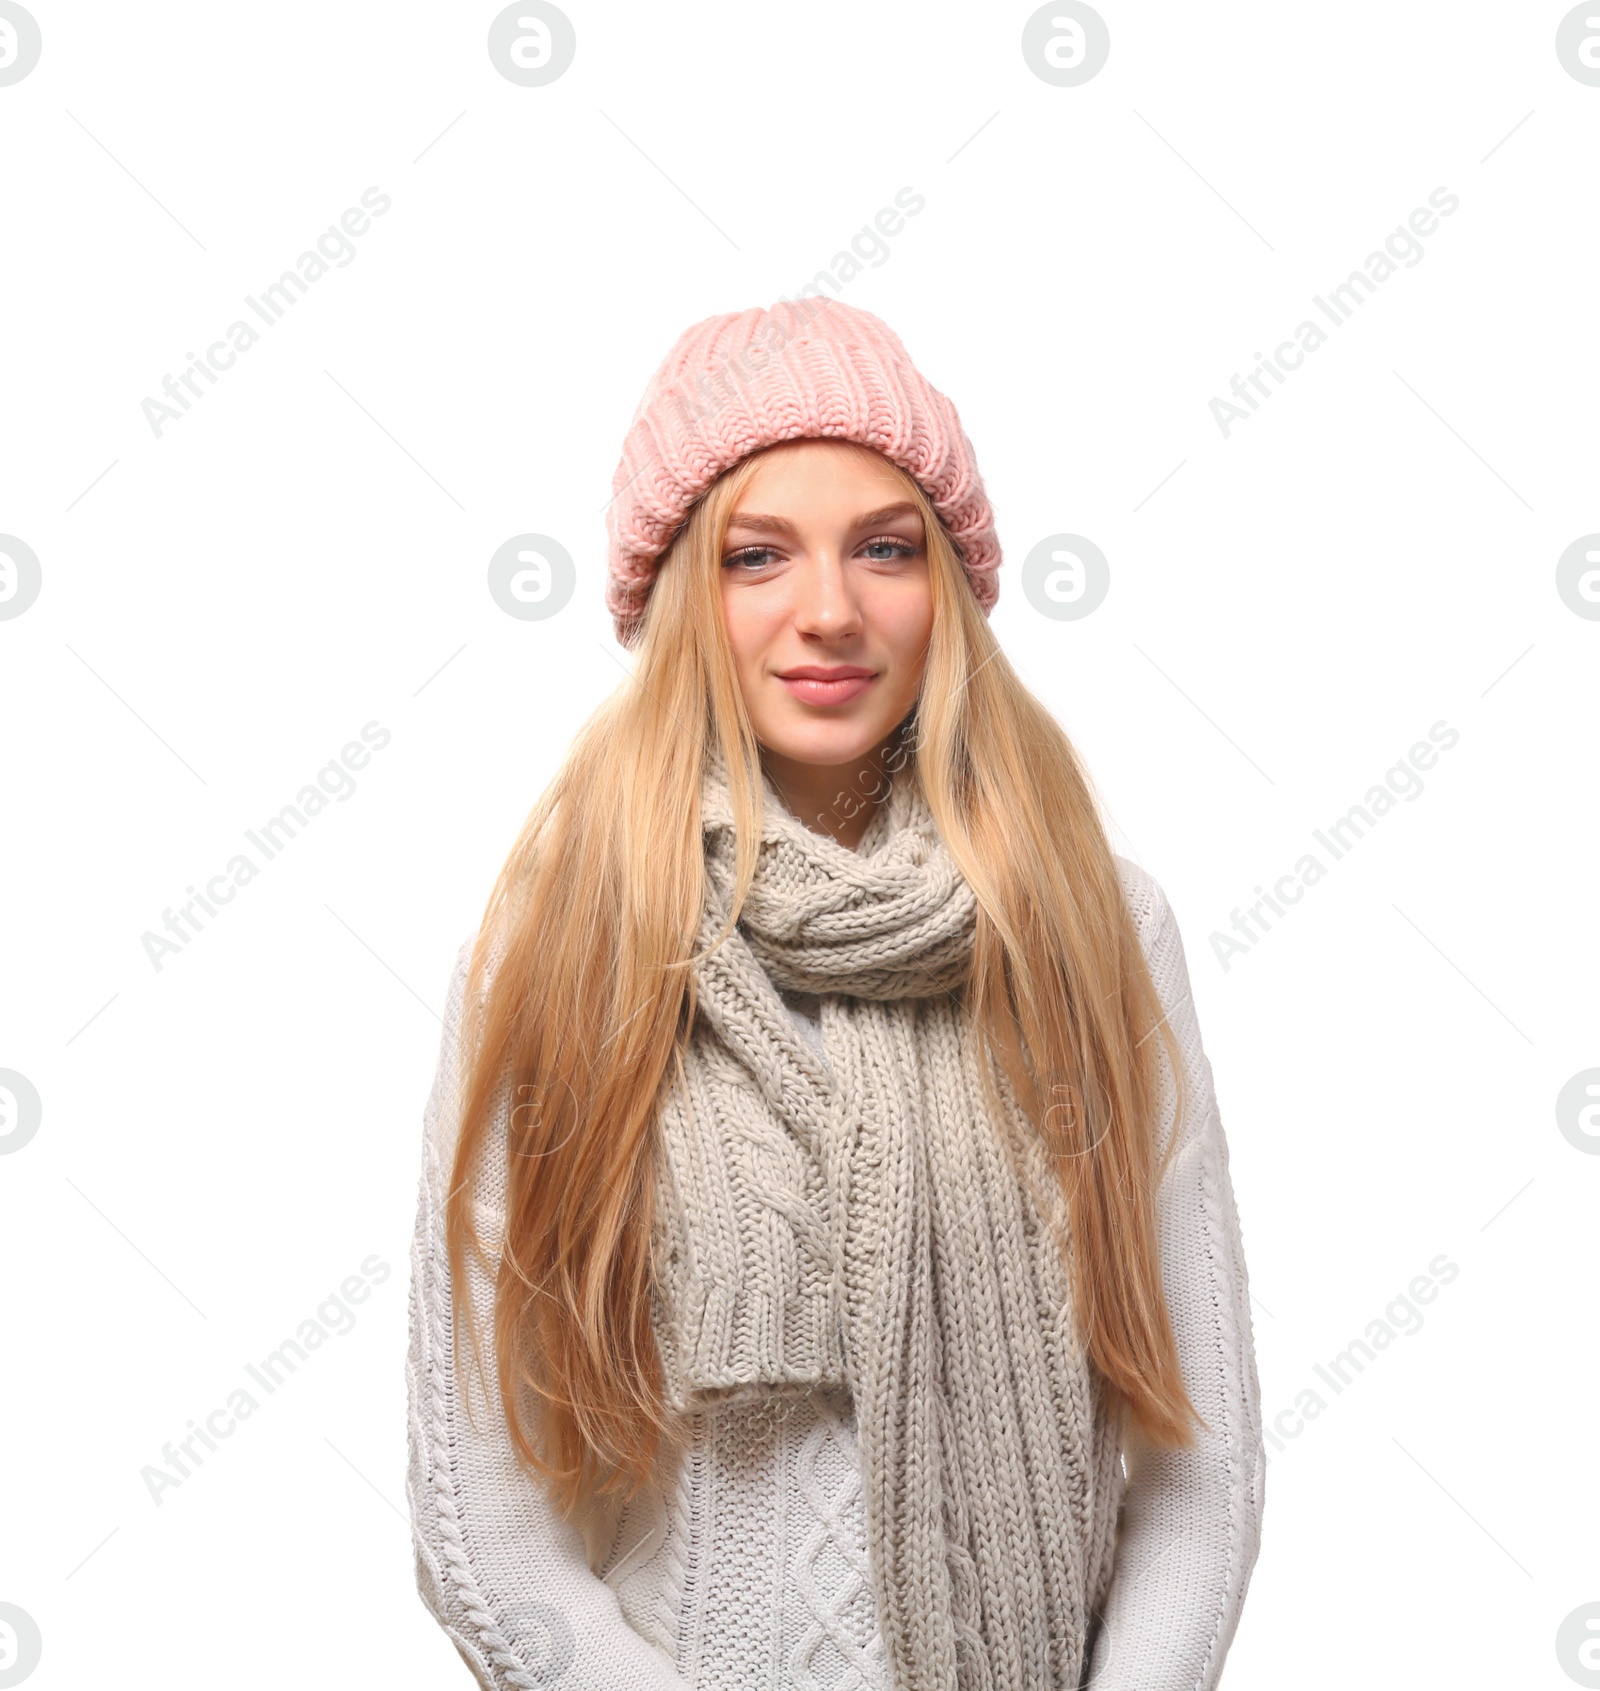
[{"x": 752, "y": 1571}]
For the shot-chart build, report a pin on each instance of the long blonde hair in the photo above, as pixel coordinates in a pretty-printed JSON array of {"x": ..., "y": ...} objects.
[{"x": 597, "y": 910}]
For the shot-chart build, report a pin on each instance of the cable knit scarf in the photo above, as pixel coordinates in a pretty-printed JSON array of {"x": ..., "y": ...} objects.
[{"x": 861, "y": 1221}]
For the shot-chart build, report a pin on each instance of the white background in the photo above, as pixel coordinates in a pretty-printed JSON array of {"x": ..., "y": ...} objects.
[{"x": 225, "y": 604}]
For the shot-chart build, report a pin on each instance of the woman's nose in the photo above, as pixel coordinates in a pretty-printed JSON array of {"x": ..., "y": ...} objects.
[{"x": 826, "y": 603}]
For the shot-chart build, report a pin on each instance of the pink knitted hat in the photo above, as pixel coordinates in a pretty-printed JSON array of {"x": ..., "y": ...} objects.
[{"x": 803, "y": 369}]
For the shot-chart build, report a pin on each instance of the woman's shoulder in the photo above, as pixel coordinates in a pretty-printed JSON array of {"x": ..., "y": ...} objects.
[
  {"x": 1146, "y": 901},
  {"x": 460, "y": 968},
  {"x": 458, "y": 1027},
  {"x": 456, "y": 991},
  {"x": 1160, "y": 933}
]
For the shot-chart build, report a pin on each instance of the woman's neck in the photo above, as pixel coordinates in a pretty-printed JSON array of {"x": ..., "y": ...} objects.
[{"x": 835, "y": 799}]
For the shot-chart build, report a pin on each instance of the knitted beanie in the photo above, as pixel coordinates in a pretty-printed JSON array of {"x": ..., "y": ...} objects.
[{"x": 801, "y": 369}]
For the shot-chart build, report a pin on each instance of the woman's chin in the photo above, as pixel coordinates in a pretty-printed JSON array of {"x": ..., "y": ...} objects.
[{"x": 829, "y": 744}]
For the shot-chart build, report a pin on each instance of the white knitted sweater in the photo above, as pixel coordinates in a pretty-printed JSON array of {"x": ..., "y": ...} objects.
[{"x": 752, "y": 1572}]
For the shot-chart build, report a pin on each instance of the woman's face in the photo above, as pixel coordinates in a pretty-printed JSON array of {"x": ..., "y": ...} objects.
[{"x": 828, "y": 602}]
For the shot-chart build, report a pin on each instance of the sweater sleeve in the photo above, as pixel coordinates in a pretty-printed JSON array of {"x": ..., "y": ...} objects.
[
  {"x": 505, "y": 1575},
  {"x": 1191, "y": 1520}
]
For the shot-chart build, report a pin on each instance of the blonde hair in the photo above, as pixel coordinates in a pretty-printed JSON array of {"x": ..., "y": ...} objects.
[{"x": 598, "y": 909}]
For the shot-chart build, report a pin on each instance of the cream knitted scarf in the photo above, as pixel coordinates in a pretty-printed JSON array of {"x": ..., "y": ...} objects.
[{"x": 861, "y": 1222}]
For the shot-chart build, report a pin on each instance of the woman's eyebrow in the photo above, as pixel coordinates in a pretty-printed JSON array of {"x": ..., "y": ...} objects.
[
  {"x": 757, "y": 519},
  {"x": 782, "y": 525},
  {"x": 888, "y": 514}
]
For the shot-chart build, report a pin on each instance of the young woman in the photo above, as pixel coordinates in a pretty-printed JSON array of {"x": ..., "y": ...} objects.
[{"x": 823, "y": 1160}]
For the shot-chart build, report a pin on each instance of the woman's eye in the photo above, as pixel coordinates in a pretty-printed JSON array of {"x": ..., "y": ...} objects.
[
  {"x": 752, "y": 557},
  {"x": 882, "y": 551}
]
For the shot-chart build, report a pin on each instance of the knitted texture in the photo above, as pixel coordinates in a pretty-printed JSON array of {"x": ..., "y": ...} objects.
[
  {"x": 750, "y": 1571},
  {"x": 503, "y": 1574},
  {"x": 861, "y": 1221},
  {"x": 786, "y": 1597},
  {"x": 801, "y": 369}
]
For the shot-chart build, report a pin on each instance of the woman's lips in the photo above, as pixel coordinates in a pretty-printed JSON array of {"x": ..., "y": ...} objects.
[{"x": 818, "y": 690}]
